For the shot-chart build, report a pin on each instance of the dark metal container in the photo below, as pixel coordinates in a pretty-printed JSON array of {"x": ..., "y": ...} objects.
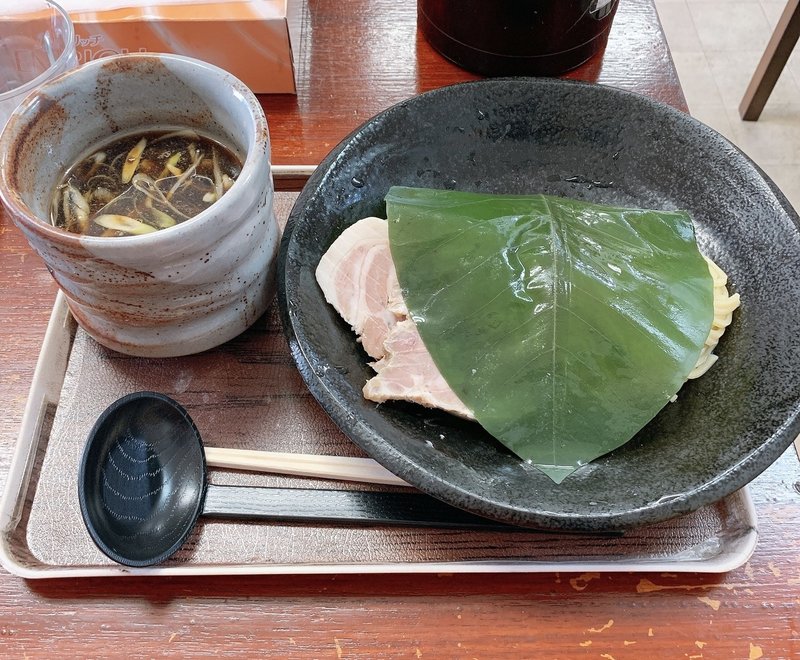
[{"x": 517, "y": 37}]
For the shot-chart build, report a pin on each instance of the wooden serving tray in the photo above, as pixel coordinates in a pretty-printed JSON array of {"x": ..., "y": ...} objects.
[{"x": 247, "y": 394}]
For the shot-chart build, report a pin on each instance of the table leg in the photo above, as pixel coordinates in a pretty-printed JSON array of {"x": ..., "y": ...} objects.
[{"x": 772, "y": 62}]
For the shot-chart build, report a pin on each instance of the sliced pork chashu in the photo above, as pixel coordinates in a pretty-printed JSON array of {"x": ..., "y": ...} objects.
[
  {"x": 407, "y": 372},
  {"x": 358, "y": 278}
]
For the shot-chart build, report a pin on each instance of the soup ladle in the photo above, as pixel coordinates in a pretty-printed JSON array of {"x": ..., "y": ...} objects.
[{"x": 142, "y": 486}]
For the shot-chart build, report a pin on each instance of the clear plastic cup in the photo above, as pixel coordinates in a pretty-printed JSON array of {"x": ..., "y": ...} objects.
[{"x": 37, "y": 42}]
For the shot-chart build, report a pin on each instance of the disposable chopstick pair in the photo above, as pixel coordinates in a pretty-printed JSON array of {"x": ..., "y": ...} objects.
[{"x": 343, "y": 468}]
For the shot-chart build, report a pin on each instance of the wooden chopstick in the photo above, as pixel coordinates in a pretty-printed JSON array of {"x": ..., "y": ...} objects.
[{"x": 343, "y": 468}]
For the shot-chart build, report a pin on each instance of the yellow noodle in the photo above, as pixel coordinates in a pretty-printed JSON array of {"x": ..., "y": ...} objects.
[{"x": 724, "y": 305}]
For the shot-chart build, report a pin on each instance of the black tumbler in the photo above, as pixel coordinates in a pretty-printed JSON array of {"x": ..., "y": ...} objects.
[{"x": 517, "y": 37}]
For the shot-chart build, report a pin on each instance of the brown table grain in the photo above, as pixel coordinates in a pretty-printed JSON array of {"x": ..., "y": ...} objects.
[{"x": 355, "y": 59}]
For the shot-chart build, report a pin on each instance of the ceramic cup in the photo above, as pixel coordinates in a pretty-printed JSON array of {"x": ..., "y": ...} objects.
[{"x": 173, "y": 292}]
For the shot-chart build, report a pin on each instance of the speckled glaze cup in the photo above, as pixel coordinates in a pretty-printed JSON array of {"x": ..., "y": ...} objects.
[{"x": 172, "y": 292}]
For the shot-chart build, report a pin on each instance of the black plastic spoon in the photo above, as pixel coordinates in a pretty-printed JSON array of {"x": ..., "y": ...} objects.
[{"x": 142, "y": 485}]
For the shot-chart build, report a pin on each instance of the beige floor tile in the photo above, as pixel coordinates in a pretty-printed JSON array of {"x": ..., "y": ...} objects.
[
  {"x": 772, "y": 10},
  {"x": 730, "y": 26},
  {"x": 696, "y": 78},
  {"x": 732, "y": 72},
  {"x": 732, "y": 36},
  {"x": 677, "y": 22},
  {"x": 715, "y": 116},
  {"x": 794, "y": 60},
  {"x": 793, "y": 65},
  {"x": 772, "y": 140},
  {"x": 787, "y": 178}
]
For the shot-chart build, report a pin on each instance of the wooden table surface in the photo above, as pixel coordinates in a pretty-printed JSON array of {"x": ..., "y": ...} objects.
[{"x": 355, "y": 59}]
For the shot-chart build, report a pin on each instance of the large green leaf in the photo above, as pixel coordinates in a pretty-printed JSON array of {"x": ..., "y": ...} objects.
[{"x": 565, "y": 326}]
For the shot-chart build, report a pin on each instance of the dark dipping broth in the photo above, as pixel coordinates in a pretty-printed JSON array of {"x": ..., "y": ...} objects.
[{"x": 143, "y": 182}]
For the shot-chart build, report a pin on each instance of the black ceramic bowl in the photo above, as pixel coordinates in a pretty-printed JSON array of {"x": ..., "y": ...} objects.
[{"x": 589, "y": 142}]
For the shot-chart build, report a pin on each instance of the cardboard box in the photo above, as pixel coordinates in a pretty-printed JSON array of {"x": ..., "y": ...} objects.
[{"x": 252, "y": 39}]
